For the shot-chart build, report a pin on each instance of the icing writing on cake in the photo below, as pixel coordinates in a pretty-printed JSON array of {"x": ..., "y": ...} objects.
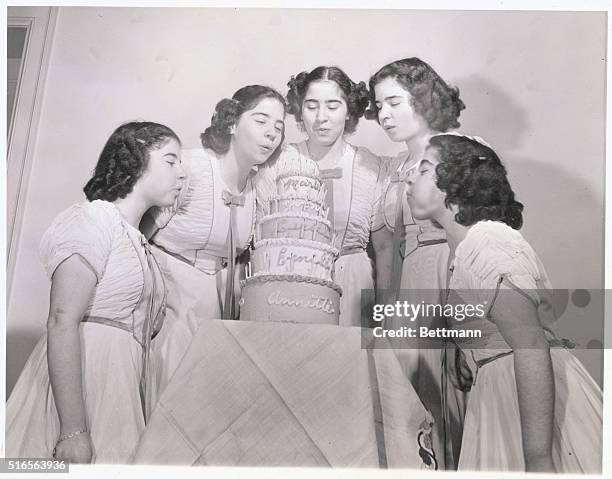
[
  {"x": 282, "y": 226},
  {"x": 294, "y": 254},
  {"x": 296, "y": 183},
  {"x": 285, "y": 256},
  {"x": 313, "y": 301},
  {"x": 297, "y": 205}
]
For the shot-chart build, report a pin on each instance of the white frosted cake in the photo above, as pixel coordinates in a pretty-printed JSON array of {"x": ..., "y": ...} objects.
[{"x": 292, "y": 264}]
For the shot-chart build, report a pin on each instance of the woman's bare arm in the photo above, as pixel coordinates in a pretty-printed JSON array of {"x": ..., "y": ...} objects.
[
  {"x": 72, "y": 287},
  {"x": 516, "y": 317}
]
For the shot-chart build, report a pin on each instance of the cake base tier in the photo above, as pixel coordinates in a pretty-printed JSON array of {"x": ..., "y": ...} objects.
[{"x": 290, "y": 299}]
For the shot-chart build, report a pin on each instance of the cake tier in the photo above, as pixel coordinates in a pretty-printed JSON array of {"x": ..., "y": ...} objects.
[
  {"x": 298, "y": 206},
  {"x": 300, "y": 186},
  {"x": 292, "y": 163},
  {"x": 296, "y": 226},
  {"x": 290, "y": 298},
  {"x": 302, "y": 257}
]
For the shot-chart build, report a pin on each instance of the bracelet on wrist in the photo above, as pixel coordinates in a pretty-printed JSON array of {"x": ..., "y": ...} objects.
[
  {"x": 71, "y": 435},
  {"x": 67, "y": 436}
]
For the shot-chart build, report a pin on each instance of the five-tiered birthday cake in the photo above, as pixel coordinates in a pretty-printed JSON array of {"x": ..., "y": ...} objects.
[{"x": 292, "y": 263}]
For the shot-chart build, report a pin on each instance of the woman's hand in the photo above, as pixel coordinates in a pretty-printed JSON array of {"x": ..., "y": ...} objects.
[
  {"x": 459, "y": 372},
  {"x": 76, "y": 450},
  {"x": 240, "y": 275}
]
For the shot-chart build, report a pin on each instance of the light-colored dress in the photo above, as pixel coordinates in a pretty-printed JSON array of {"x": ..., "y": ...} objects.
[
  {"x": 424, "y": 251},
  {"x": 192, "y": 250},
  {"x": 112, "y": 333},
  {"x": 492, "y": 259},
  {"x": 420, "y": 264},
  {"x": 356, "y": 178}
]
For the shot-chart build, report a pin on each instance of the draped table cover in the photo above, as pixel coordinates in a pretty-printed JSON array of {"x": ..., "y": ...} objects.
[{"x": 283, "y": 394}]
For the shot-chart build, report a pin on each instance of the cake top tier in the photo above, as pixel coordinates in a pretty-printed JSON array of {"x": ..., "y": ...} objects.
[
  {"x": 291, "y": 178},
  {"x": 293, "y": 200},
  {"x": 292, "y": 163}
]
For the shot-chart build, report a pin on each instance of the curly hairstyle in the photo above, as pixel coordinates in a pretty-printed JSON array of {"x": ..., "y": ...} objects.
[
  {"x": 228, "y": 111},
  {"x": 437, "y": 102},
  {"x": 355, "y": 94},
  {"x": 474, "y": 178},
  {"x": 125, "y": 158}
]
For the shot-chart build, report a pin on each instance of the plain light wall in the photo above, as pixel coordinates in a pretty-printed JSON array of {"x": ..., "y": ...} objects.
[{"x": 533, "y": 83}]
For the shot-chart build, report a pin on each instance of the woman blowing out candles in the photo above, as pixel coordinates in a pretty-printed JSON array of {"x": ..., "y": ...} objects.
[
  {"x": 89, "y": 385},
  {"x": 532, "y": 404},
  {"x": 200, "y": 238}
]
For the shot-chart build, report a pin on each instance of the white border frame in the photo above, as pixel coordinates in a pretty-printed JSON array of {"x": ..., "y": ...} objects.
[{"x": 274, "y": 473}]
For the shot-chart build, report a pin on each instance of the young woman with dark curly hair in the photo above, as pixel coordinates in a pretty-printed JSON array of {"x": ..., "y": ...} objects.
[
  {"x": 411, "y": 102},
  {"x": 327, "y": 106},
  {"x": 199, "y": 239},
  {"x": 88, "y": 386},
  {"x": 532, "y": 404}
]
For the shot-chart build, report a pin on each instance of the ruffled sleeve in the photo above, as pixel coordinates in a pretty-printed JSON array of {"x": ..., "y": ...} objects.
[
  {"x": 187, "y": 225},
  {"x": 162, "y": 216},
  {"x": 364, "y": 198},
  {"x": 492, "y": 256},
  {"x": 84, "y": 229},
  {"x": 376, "y": 220},
  {"x": 378, "y": 215}
]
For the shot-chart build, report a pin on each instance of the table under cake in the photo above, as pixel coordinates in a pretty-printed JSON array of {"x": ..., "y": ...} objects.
[{"x": 250, "y": 393}]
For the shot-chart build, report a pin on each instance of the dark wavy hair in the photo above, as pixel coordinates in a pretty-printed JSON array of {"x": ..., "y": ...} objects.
[
  {"x": 355, "y": 94},
  {"x": 228, "y": 111},
  {"x": 437, "y": 102},
  {"x": 474, "y": 178},
  {"x": 125, "y": 158}
]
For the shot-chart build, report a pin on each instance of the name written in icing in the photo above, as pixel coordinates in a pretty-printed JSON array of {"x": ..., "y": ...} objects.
[
  {"x": 296, "y": 183},
  {"x": 325, "y": 260},
  {"x": 313, "y": 301}
]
